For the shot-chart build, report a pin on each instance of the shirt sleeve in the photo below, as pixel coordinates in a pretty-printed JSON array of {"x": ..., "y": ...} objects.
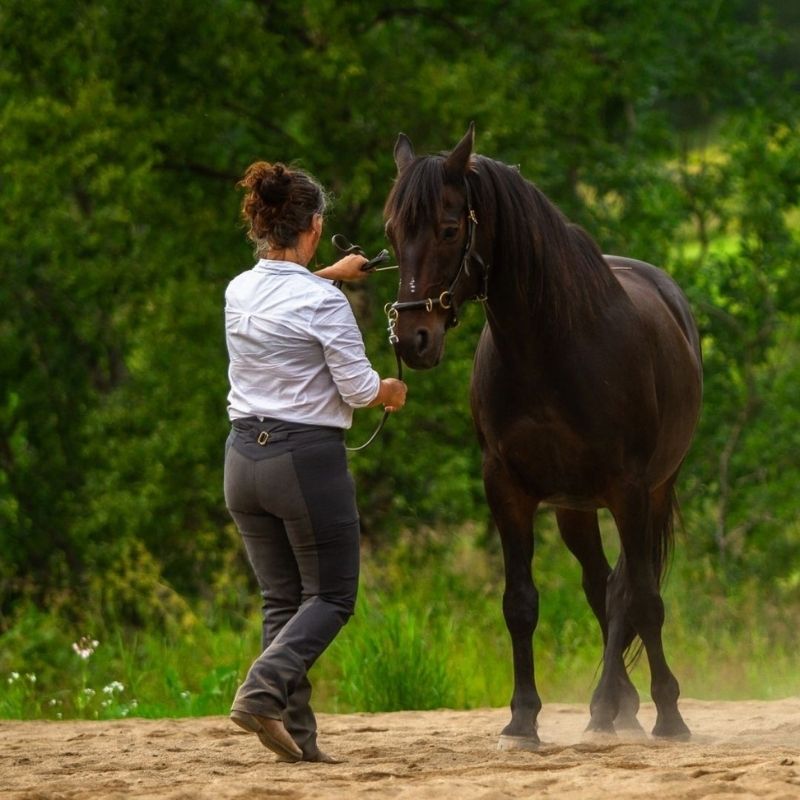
[{"x": 334, "y": 325}]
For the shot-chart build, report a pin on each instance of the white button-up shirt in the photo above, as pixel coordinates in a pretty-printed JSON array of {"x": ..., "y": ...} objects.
[{"x": 296, "y": 353}]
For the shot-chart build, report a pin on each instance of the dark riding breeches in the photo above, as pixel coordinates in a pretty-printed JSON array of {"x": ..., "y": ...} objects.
[{"x": 289, "y": 492}]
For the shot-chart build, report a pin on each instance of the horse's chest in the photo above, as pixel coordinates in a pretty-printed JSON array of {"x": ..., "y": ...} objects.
[{"x": 550, "y": 459}]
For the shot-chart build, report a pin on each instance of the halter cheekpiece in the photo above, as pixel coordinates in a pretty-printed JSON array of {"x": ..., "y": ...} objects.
[{"x": 445, "y": 299}]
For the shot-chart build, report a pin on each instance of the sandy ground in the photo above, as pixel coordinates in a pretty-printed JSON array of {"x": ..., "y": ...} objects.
[{"x": 739, "y": 750}]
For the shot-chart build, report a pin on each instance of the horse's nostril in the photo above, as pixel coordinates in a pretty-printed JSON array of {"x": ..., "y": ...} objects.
[{"x": 422, "y": 340}]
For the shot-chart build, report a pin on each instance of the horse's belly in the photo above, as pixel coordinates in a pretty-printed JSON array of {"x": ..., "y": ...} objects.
[
  {"x": 556, "y": 470},
  {"x": 568, "y": 473}
]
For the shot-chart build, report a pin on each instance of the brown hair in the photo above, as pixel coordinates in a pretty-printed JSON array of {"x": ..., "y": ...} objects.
[{"x": 279, "y": 204}]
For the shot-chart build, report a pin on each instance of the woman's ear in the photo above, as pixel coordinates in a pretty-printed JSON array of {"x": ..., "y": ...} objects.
[{"x": 316, "y": 224}]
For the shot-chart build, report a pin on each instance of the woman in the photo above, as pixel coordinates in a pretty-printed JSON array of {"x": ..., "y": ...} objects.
[{"x": 297, "y": 371}]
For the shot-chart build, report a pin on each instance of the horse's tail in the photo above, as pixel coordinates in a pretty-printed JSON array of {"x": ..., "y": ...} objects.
[
  {"x": 664, "y": 536},
  {"x": 661, "y": 548}
]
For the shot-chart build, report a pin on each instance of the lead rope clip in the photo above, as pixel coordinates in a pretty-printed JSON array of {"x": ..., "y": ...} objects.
[{"x": 392, "y": 315}]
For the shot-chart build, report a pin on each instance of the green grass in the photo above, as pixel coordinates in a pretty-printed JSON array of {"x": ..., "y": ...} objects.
[
  {"x": 428, "y": 633},
  {"x": 127, "y": 673}
]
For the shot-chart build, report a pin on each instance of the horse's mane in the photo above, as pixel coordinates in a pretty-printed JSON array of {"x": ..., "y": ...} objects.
[
  {"x": 557, "y": 267},
  {"x": 416, "y": 195}
]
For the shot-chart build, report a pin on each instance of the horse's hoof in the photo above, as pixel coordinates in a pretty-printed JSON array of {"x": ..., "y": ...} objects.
[
  {"x": 518, "y": 742},
  {"x": 599, "y": 737},
  {"x": 629, "y": 727},
  {"x": 677, "y": 731},
  {"x": 679, "y": 736},
  {"x": 632, "y": 734},
  {"x": 600, "y": 728}
]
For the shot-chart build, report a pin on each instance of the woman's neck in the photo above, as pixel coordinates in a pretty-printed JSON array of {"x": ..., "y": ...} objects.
[
  {"x": 302, "y": 251},
  {"x": 293, "y": 254}
]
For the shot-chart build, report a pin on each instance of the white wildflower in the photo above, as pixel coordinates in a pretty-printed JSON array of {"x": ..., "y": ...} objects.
[
  {"x": 89, "y": 692},
  {"x": 13, "y": 677},
  {"x": 85, "y": 646},
  {"x": 114, "y": 686}
]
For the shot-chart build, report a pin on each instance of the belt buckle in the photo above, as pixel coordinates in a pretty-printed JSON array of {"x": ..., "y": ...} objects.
[{"x": 263, "y": 438}]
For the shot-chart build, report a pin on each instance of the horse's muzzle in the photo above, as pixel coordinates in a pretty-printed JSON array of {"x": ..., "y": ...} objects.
[{"x": 421, "y": 346}]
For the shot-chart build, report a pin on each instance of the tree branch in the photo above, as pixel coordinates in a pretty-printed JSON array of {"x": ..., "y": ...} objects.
[
  {"x": 198, "y": 169},
  {"x": 432, "y": 14}
]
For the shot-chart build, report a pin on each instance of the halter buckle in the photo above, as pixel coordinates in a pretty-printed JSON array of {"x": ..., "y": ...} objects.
[{"x": 446, "y": 299}]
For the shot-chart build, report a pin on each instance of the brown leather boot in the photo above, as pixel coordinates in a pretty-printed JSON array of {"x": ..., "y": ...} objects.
[
  {"x": 318, "y": 756},
  {"x": 271, "y": 732}
]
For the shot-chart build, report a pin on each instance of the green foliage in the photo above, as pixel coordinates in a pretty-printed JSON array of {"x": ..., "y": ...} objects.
[
  {"x": 395, "y": 663},
  {"x": 428, "y": 633},
  {"x": 743, "y": 283},
  {"x": 52, "y": 669}
]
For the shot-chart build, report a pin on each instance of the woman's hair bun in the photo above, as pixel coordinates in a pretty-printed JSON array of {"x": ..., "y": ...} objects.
[
  {"x": 272, "y": 183},
  {"x": 279, "y": 204},
  {"x": 275, "y": 185}
]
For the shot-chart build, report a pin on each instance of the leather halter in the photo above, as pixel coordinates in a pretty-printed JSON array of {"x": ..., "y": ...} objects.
[{"x": 445, "y": 299}]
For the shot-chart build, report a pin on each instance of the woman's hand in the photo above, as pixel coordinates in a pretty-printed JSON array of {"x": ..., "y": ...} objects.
[
  {"x": 397, "y": 395},
  {"x": 346, "y": 269},
  {"x": 392, "y": 394}
]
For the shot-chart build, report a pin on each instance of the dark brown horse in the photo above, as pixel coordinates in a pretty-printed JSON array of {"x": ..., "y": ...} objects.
[{"x": 585, "y": 393}]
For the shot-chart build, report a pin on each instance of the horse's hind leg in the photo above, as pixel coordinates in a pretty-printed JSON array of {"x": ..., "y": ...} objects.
[
  {"x": 581, "y": 533},
  {"x": 513, "y": 513},
  {"x": 642, "y": 520}
]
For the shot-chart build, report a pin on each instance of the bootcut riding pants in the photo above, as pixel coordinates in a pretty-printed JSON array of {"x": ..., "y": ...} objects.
[{"x": 292, "y": 498}]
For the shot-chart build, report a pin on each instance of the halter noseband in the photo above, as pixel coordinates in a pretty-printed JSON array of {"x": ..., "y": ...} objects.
[{"x": 445, "y": 299}]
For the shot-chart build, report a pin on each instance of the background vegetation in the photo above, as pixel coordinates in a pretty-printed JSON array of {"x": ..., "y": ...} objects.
[{"x": 668, "y": 129}]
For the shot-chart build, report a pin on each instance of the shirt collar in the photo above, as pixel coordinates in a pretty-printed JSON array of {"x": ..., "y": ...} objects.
[{"x": 279, "y": 267}]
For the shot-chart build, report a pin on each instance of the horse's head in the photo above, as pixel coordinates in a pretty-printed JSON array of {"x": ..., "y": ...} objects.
[{"x": 432, "y": 227}]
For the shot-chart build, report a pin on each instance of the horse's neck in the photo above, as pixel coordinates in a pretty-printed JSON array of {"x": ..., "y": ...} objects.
[
  {"x": 555, "y": 306},
  {"x": 547, "y": 276}
]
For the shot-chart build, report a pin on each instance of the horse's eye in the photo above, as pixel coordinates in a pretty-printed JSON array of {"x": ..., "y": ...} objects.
[{"x": 449, "y": 233}]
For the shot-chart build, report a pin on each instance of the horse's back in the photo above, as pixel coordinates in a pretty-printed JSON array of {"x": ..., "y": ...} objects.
[{"x": 632, "y": 273}]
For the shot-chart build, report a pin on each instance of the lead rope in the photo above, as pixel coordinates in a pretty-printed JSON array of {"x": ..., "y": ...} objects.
[{"x": 393, "y": 340}]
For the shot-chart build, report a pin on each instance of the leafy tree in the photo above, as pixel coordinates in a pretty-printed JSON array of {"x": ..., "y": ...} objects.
[{"x": 123, "y": 128}]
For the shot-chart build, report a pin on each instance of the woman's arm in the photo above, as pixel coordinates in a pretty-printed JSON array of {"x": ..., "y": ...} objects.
[
  {"x": 359, "y": 385},
  {"x": 346, "y": 269}
]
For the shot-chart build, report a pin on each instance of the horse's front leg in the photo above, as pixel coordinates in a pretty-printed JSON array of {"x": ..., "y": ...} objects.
[{"x": 513, "y": 513}]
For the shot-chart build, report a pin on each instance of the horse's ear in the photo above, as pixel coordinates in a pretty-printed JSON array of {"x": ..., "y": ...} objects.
[
  {"x": 403, "y": 152},
  {"x": 457, "y": 162}
]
